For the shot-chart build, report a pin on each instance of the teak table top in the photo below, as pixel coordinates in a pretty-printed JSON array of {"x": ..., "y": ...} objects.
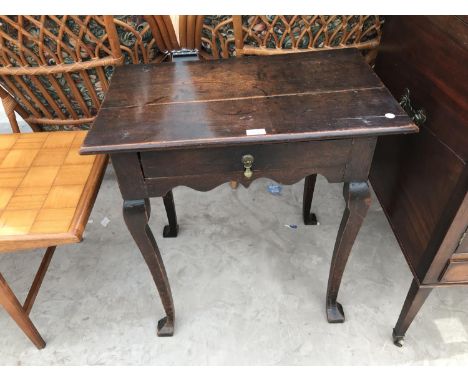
[
  {"x": 294, "y": 97},
  {"x": 46, "y": 189}
]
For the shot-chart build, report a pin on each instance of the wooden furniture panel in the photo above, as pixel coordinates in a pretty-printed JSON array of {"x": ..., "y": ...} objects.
[
  {"x": 456, "y": 271},
  {"x": 400, "y": 179},
  {"x": 227, "y": 160},
  {"x": 458, "y": 225},
  {"x": 44, "y": 187},
  {"x": 207, "y": 80},
  {"x": 422, "y": 181},
  {"x": 46, "y": 194},
  {"x": 188, "y": 127},
  {"x": 463, "y": 245},
  {"x": 433, "y": 68},
  {"x": 219, "y": 107}
]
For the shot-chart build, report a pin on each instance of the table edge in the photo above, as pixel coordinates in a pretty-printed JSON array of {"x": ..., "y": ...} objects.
[{"x": 254, "y": 139}]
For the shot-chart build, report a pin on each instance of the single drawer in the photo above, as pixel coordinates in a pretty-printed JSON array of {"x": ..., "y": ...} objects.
[
  {"x": 267, "y": 158},
  {"x": 463, "y": 245},
  {"x": 456, "y": 270}
]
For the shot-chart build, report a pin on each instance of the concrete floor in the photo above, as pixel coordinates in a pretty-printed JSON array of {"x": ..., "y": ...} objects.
[{"x": 247, "y": 289}]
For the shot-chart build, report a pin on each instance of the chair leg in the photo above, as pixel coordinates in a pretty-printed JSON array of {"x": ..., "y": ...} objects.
[
  {"x": 28, "y": 303},
  {"x": 11, "y": 304},
  {"x": 21, "y": 313},
  {"x": 9, "y": 106}
]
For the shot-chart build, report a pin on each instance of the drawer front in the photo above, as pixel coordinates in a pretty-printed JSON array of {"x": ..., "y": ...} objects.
[
  {"x": 267, "y": 158},
  {"x": 462, "y": 248},
  {"x": 456, "y": 271}
]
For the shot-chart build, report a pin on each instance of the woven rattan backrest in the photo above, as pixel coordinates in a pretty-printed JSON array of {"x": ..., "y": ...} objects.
[
  {"x": 145, "y": 39},
  {"x": 225, "y": 36},
  {"x": 190, "y": 28},
  {"x": 55, "y": 66},
  {"x": 58, "y": 67}
]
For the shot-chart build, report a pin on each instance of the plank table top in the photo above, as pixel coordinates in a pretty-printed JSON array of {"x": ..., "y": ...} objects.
[{"x": 293, "y": 97}]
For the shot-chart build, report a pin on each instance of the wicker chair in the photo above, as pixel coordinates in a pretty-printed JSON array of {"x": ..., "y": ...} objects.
[
  {"x": 47, "y": 191},
  {"x": 189, "y": 28},
  {"x": 143, "y": 39},
  {"x": 226, "y": 36},
  {"x": 55, "y": 70}
]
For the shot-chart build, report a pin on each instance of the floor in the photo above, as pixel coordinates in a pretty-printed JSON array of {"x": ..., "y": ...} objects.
[{"x": 248, "y": 289}]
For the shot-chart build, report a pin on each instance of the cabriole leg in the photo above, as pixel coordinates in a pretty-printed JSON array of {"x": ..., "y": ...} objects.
[
  {"x": 357, "y": 197},
  {"x": 136, "y": 217}
]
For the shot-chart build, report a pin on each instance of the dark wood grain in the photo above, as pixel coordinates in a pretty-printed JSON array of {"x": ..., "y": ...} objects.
[
  {"x": 129, "y": 172},
  {"x": 404, "y": 168},
  {"x": 242, "y": 77},
  {"x": 284, "y": 118},
  {"x": 423, "y": 164},
  {"x": 172, "y": 229},
  {"x": 421, "y": 181},
  {"x": 308, "y": 217},
  {"x": 227, "y": 160},
  {"x": 463, "y": 244},
  {"x": 358, "y": 199},
  {"x": 456, "y": 271},
  {"x": 188, "y": 104},
  {"x": 428, "y": 54},
  {"x": 452, "y": 251},
  {"x": 206, "y": 168},
  {"x": 185, "y": 125},
  {"x": 413, "y": 303},
  {"x": 136, "y": 217}
]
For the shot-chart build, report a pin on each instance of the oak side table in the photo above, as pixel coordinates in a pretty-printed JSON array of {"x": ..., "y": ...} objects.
[{"x": 203, "y": 123}]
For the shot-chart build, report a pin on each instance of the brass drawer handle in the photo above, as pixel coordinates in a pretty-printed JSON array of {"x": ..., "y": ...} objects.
[
  {"x": 418, "y": 116},
  {"x": 247, "y": 161}
]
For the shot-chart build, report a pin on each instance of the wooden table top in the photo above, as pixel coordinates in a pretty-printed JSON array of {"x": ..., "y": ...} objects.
[
  {"x": 46, "y": 189},
  {"x": 293, "y": 97}
]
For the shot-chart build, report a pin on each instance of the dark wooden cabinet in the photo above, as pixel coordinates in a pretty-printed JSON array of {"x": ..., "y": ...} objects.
[{"x": 421, "y": 180}]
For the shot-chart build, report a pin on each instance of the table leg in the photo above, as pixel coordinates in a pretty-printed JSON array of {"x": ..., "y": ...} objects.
[
  {"x": 11, "y": 304},
  {"x": 172, "y": 229},
  {"x": 136, "y": 215},
  {"x": 309, "y": 186},
  {"x": 414, "y": 301},
  {"x": 357, "y": 197}
]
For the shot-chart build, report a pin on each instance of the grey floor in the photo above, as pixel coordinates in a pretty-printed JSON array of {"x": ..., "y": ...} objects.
[{"x": 248, "y": 290}]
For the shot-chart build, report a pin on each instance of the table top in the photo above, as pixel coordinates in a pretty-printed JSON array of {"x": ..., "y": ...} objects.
[
  {"x": 283, "y": 98},
  {"x": 46, "y": 188}
]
